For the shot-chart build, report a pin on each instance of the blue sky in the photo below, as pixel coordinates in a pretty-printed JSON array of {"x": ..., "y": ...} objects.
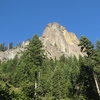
[{"x": 20, "y": 19}]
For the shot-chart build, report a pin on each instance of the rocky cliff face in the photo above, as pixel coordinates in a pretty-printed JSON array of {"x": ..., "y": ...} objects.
[
  {"x": 11, "y": 53},
  {"x": 57, "y": 41}
]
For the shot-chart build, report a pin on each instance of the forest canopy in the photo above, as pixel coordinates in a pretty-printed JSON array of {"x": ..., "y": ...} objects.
[{"x": 35, "y": 77}]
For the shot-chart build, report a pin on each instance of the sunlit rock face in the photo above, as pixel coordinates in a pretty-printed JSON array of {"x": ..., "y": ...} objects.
[
  {"x": 11, "y": 53},
  {"x": 58, "y": 41}
]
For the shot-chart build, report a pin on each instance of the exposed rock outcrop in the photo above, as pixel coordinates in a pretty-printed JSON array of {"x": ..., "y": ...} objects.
[
  {"x": 11, "y": 53},
  {"x": 57, "y": 41}
]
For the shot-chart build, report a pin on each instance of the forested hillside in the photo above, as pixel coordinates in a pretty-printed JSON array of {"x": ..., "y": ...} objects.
[{"x": 35, "y": 77}]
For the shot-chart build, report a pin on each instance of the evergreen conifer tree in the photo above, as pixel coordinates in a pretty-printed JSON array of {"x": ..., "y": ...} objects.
[
  {"x": 34, "y": 55},
  {"x": 86, "y": 46}
]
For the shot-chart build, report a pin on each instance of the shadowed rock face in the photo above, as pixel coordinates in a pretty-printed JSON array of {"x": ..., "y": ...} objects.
[{"x": 57, "y": 41}]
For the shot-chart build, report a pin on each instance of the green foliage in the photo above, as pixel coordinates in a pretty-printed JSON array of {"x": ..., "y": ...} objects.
[
  {"x": 34, "y": 52},
  {"x": 3, "y": 47},
  {"x": 64, "y": 79},
  {"x": 86, "y": 45},
  {"x": 10, "y": 45},
  {"x": 5, "y": 91},
  {"x": 98, "y": 45},
  {"x": 88, "y": 66}
]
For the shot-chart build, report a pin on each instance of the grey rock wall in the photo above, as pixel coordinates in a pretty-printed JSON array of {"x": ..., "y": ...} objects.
[{"x": 57, "y": 41}]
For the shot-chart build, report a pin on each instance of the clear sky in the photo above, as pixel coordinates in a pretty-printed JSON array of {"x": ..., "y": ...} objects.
[{"x": 20, "y": 19}]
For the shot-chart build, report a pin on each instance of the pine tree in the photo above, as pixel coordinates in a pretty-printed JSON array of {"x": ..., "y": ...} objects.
[
  {"x": 35, "y": 55},
  {"x": 87, "y": 68},
  {"x": 86, "y": 46},
  {"x": 34, "y": 52},
  {"x": 10, "y": 45},
  {"x": 97, "y": 66},
  {"x": 98, "y": 45},
  {"x": 2, "y": 47}
]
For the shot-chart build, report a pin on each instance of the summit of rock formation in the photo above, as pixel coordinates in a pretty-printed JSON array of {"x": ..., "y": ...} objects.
[{"x": 57, "y": 41}]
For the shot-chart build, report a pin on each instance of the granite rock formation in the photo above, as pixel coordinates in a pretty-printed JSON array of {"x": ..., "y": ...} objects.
[{"x": 57, "y": 41}]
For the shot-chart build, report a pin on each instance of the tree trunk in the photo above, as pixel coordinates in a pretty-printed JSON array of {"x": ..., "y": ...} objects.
[
  {"x": 35, "y": 90},
  {"x": 97, "y": 85},
  {"x": 36, "y": 86}
]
